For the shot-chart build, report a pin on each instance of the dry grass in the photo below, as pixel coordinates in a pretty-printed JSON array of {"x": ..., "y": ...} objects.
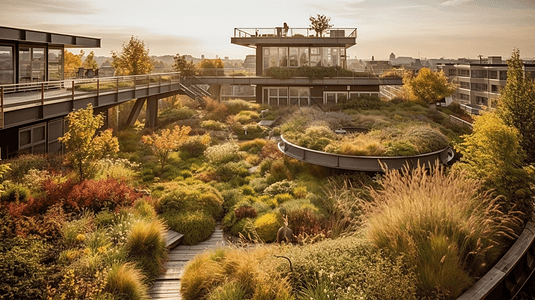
[{"x": 449, "y": 229}]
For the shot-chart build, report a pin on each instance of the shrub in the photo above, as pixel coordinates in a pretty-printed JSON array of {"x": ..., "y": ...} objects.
[
  {"x": 129, "y": 140},
  {"x": 259, "y": 184},
  {"x": 145, "y": 246},
  {"x": 279, "y": 171},
  {"x": 195, "y": 226},
  {"x": 281, "y": 198},
  {"x": 191, "y": 198},
  {"x": 144, "y": 209},
  {"x": 126, "y": 282},
  {"x": 363, "y": 102},
  {"x": 15, "y": 192},
  {"x": 350, "y": 269},
  {"x": 170, "y": 115},
  {"x": 245, "y": 116},
  {"x": 426, "y": 139},
  {"x": 194, "y": 146},
  {"x": 22, "y": 268},
  {"x": 228, "y": 291},
  {"x": 254, "y": 146},
  {"x": 304, "y": 221},
  {"x": 251, "y": 132},
  {"x": 449, "y": 230},
  {"x": 281, "y": 187},
  {"x": 223, "y": 153},
  {"x": 245, "y": 212},
  {"x": 267, "y": 226},
  {"x": 215, "y": 110},
  {"x": 234, "y": 106},
  {"x": 213, "y": 125},
  {"x": 227, "y": 171},
  {"x": 24, "y": 163}
]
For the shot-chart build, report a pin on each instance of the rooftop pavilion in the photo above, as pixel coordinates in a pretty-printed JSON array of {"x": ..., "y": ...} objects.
[{"x": 251, "y": 37}]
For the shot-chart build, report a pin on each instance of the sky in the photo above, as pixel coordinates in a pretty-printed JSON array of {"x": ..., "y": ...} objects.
[{"x": 416, "y": 28}]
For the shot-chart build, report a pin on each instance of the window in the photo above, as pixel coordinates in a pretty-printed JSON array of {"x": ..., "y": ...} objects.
[
  {"x": 294, "y": 57},
  {"x": 465, "y": 85},
  {"x": 283, "y": 57},
  {"x": 55, "y": 64},
  {"x": 303, "y": 56},
  {"x": 275, "y": 96},
  {"x": 464, "y": 97},
  {"x": 315, "y": 57},
  {"x": 299, "y": 96},
  {"x": 464, "y": 73},
  {"x": 495, "y": 88},
  {"x": 479, "y": 73},
  {"x": 452, "y": 72},
  {"x": 482, "y": 87},
  {"x": 31, "y": 64},
  {"x": 32, "y": 139},
  {"x": 482, "y": 100},
  {"x": 6, "y": 65},
  {"x": 503, "y": 75},
  {"x": 493, "y": 74},
  {"x": 334, "y": 97}
]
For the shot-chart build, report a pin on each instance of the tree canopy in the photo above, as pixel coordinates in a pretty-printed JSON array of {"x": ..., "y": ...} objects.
[
  {"x": 186, "y": 68},
  {"x": 516, "y": 105},
  {"x": 429, "y": 86},
  {"x": 72, "y": 62},
  {"x": 320, "y": 24},
  {"x": 84, "y": 148},
  {"x": 90, "y": 62},
  {"x": 210, "y": 66},
  {"x": 133, "y": 59},
  {"x": 167, "y": 141}
]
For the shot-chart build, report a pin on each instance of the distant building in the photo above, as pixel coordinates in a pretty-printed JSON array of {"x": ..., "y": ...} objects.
[
  {"x": 378, "y": 66},
  {"x": 392, "y": 57},
  {"x": 249, "y": 62},
  {"x": 480, "y": 81}
]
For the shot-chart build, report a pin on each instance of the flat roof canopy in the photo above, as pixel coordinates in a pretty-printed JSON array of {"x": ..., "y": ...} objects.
[{"x": 34, "y": 36}]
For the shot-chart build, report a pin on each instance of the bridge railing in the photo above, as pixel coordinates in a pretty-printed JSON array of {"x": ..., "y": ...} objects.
[{"x": 15, "y": 96}]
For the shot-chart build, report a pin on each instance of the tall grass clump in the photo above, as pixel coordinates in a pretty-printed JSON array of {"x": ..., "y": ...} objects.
[
  {"x": 448, "y": 228},
  {"x": 146, "y": 246},
  {"x": 126, "y": 282}
]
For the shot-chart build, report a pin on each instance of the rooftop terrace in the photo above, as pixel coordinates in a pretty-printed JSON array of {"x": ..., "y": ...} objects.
[{"x": 250, "y": 37}]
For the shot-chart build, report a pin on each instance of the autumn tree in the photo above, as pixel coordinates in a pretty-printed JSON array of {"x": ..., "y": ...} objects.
[
  {"x": 428, "y": 86},
  {"x": 133, "y": 59},
  {"x": 211, "y": 66},
  {"x": 4, "y": 168},
  {"x": 72, "y": 62},
  {"x": 516, "y": 105},
  {"x": 90, "y": 62},
  {"x": 186, "y": 68},
  {"x": 84, "y": 148},
  {"x": 485, "y": 157},
  {"x": 166, "y": 141},
  {"x": 320, "y": 24}
]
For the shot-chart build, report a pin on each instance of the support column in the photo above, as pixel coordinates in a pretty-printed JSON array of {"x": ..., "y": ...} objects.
[
  {"x": 215, "y": 91},
  {"x": 134, "y": 114},
  {"x": 151, "y": 120}
]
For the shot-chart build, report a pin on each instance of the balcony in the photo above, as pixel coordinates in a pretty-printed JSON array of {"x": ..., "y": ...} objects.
[{"x": 251, "y": 37}]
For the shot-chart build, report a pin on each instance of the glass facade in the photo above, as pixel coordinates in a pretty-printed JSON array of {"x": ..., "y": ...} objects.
[
  {"x": 55, "y": 64},
  {"x": 32, "y": 61},
  {"x": 6, "y": 65},
  {"x": 295, "y": 57},
  {"x": 286, "y": 96}
]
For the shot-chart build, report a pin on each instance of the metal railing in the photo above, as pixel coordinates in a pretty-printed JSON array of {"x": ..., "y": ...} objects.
[
  {"x": 14, "y": 96},
  {"x": 294, "y": 32}
]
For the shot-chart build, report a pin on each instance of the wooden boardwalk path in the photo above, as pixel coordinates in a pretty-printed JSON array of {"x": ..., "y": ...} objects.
[{"x": 167, "y": 286}]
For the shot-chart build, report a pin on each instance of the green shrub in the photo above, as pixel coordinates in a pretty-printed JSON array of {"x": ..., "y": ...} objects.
[
  {"x": 227, "y": 171},
  {"x": 426, "y": 139},
  {"x": 145, "y": 246},
  {"x": 281, "y": 198},
  {"x": 195, "y": 226},
  {"x": 126, "y": 282},
  {"x": 22, "y": 268},
  {"x": 281, "y": 187},
  {"x": 234, "y": 106},
  {"x": 363, "y": 102},
  {"x": 213, "y": 125},
  {"x": 353, "y": 269},
  {"x": 24, "y": 163},
  {"x": 15, "y": 192},
  {"x": 267, "y": 226},
  {"x": 193, "y": 147},
  {"x": 191, "y": 198},
  {"x": 228, "y": 291},
  {"x": 170, "y": 115},
  {"x": 245, "y": 116},
  {"x": 129, "y": 140},
  {"x": 223, "y": 153},
  {"x": 255, "y": 146},
  {"x": 251, "y": 132}
]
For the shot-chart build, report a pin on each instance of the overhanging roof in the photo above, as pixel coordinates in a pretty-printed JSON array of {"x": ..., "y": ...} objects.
[{"x": 34, "y": 36}]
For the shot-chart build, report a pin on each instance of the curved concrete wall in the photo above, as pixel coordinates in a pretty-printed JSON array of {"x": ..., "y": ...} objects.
[{"x": 362, "y": 163}]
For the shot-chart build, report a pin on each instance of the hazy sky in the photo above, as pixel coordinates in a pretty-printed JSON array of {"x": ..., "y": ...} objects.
[{"x": 428, "y": 28}]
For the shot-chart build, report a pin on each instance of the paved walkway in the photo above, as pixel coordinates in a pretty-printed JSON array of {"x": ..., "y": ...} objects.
[{"x": 167, "y": 286}]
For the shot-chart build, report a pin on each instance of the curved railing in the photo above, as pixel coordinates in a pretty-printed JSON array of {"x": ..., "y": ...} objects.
[
  {"x": 363, "y": 163},
  {"x": 509, "y": 275}
]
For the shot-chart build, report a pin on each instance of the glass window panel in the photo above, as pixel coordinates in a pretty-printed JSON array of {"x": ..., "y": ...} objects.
[
  {"x": 265, "y": 96},
  {"x": 273, "y": 101},
  {"x": 55, "y": 64},
  {"x": 315, "y": 57},
  {"x": 327, "y": 57},
  {"x": 38, "y": 134},
  {"x": 283, "y": 57},
  {"x": 294, "y": 91},
  {"x": 38, "y": 64},
  {"x": 335, "y": 57},
  {"x": 294, "y": 54},
  {"x": 283, "y": 101},
  {"x": 25, "y": 67},
  {"x": 303, "y": 56},
  {"x": 283, "y": 92},
  {"x": 273, "y": 92},
  {"x": 39, "y": 148},
  {"x": 304, "y": 92},
  {"x": 341, "y": 97},
  {"x": 273, "y": 56},
  {"x": 330, "y": 98},
  {"x": 6, "y": 65},
  {"x": 25, "y": 137}
]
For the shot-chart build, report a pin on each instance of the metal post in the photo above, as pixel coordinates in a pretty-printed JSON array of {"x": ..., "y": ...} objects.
[
  {"x": 98, "y": 87},
  {"x": 1, "y": 99},
  {"x": 72, "y": 90},
  {"x": 42, "y": 93}
]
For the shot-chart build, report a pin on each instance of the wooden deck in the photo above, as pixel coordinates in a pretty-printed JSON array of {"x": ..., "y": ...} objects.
[{"x": 167, "y": 286}]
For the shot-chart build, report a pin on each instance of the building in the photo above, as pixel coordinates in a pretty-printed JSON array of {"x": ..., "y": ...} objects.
[
  {"x": 292, "y": 48},
  {"x": 480, "y": 81}
]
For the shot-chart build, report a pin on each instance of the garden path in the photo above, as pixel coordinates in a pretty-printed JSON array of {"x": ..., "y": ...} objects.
[{"x": 167, "y": 286}]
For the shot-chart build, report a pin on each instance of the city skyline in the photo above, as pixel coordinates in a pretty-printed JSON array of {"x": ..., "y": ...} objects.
[{"x": 416, "y": 28}]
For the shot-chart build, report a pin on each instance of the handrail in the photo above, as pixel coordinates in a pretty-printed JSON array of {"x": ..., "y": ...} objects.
[{"x": 293, "y": 32}]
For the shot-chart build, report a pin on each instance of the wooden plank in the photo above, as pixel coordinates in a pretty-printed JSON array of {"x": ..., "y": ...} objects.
[{"x": 173, "y": 239}]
